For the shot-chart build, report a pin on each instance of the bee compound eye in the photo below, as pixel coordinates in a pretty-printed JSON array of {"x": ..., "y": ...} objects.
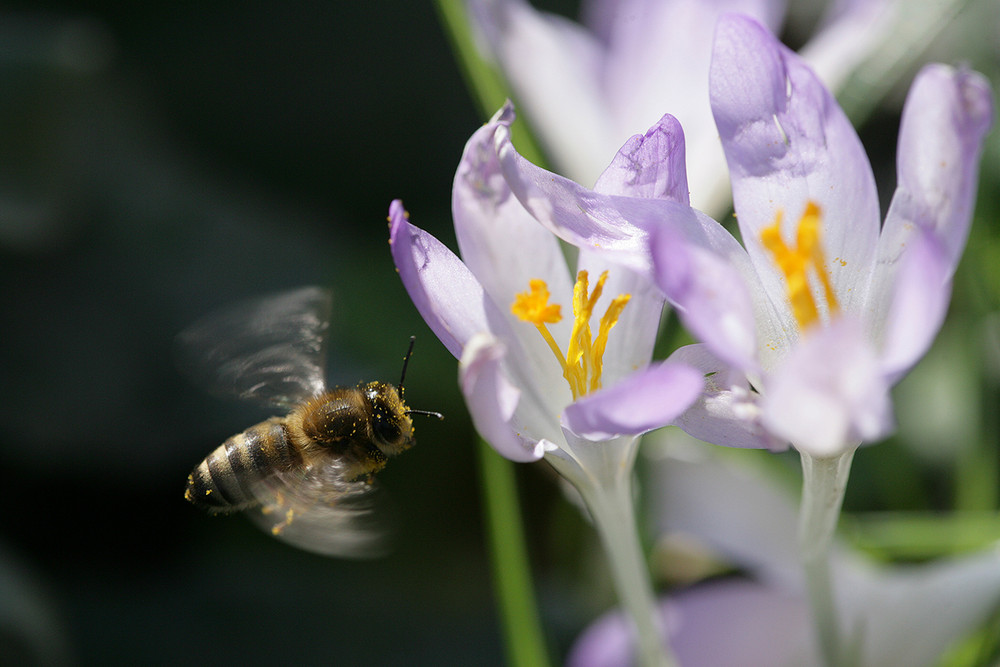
[{"x": 387, "y": 426}]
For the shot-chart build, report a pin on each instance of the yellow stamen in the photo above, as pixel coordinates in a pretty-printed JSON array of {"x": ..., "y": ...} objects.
[
  {"x": 583, "y": 362},
  {"x": 609, "y": 320},
  {"x": 795, "y": 263},
  {"x": 534, "y": 306}
]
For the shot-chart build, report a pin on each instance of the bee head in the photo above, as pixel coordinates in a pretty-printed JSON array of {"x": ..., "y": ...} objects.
[
  {"x": 392, "y": 427},
  {"x": 391, "y": 423}
]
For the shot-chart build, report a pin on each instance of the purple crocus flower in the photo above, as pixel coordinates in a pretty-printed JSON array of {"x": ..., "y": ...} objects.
[
  {"x": 574, "y": 386},
  {"x": 826, "y": 309},
  {"x": 539, "y": 381}
]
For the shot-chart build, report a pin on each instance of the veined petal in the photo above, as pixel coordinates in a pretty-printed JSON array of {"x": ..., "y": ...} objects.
[
  {"x": 829, "y": 393},
  {"x": 612, "y": 20},
  {"x": 563, "y": 100},
  {"x": 574, "y": 213},
  {"x": 657, "y": 60},
  {"x": 455, "y": 307},
  {"x": 445, "y": 292},
  {"x": 946, "y": 117},
  {"x": 709, "y": 277},
  {"x": 710, "y": 296},
  {"x": 649, "y": 165},
  {"x": 500, "y": 242},
  {"x": 918, "y": 307},
  {"x": 643, "y": 401},
  {"x": 727, "y": 413},
  {"x": 911, "y": 615},
  {"x": 788, "y": 143},
  {"x": 616, "y": 226},
  {"x": 493, "y": 400}
]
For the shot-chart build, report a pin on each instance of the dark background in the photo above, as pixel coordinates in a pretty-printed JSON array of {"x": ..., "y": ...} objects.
[
  {"x": 157, "y": 161},
  {"x": 160, "y": 160}
]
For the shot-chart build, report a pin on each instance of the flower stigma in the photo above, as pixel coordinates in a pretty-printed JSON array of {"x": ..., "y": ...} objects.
[
  {"x": 584, "y": 359},
  {"x": 795, "y": 263}
]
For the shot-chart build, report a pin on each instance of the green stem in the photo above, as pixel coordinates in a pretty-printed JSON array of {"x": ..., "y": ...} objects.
[
  {"x": 484, "y": 81},
  {"x": 509, "y": 555},
  {"x": 611, "y": 508},
  {"x": 824, "y": 481}
]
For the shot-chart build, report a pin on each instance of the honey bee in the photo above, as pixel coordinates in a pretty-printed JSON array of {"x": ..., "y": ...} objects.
[{"x": 306, "y": 477}]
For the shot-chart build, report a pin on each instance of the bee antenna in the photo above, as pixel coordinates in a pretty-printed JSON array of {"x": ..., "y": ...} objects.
[
  {"x": 428, "y": 413},
  {"x": 402, "y": 377},
  {"x": 406, "y": 361}
]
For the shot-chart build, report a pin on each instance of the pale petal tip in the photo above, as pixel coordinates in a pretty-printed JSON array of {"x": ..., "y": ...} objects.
[
  {"x": 397, "y": 213},
  {"x": 975, "y": 95},
  {"x": 732, "y": 25},
  {"x": 505, "y": 115}
]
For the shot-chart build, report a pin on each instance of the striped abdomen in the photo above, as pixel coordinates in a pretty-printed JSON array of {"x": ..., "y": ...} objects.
[{"x": 222, "y": 482}]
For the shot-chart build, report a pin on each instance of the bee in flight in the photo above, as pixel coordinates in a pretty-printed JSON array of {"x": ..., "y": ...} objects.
[{"x": 306, "y": 477}]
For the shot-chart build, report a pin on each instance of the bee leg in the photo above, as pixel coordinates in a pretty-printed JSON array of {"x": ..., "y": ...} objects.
[
  {"x": 279, "y": 503},
  {"x": 278, "y": 527}
]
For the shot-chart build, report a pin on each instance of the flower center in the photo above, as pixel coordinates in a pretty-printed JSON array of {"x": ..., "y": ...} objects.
[
  {"x": 584, "y": 359},
  {"x": 795, "y": 263}
]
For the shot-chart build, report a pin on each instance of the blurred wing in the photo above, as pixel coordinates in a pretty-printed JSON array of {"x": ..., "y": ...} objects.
[
  {"x": 316, "y": 509},
  {"x": 270, "y": 350}
]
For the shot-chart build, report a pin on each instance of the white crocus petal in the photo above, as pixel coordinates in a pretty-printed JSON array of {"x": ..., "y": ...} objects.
[
  {"x": 641, "y": 58},
  {"x": 563, "y": 99},
  {"x": 448, "y": 296},
  {"x": 498, "y": 239},
  {"x": 455, "y": 306},
  {"x": 728, "y": 507},
  {"x": 643, "y": 401},
  {"x": 918, "y": 308},
  {"x": 946, "y": 116},
  {"x": 505, "y": 248},
  {"x": 649, "y": 165},
  {"x": 907, "y": 616},
  {"x": 728, "y": 411},
  {"x": 710, "y": 295},
  {"x": 788, "y": 143},
  {"x": 725, "y": 622},
  {"x": 493, "y": 400},
  {"x": 657, "y": 59},
  {"x": 901, "y": 616},
  {"x": 829, "y": 393},
  {"x": 575, "y": 213}
]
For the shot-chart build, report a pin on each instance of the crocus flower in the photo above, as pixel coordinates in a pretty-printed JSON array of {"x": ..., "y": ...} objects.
[
  {"x": 585, "y": 87},
  {"x": 540, "y": 380},
  {"x": 554, "y": 363},
  {"x": 826, "y": 308},
  {"x": 903, "y": 615}
]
